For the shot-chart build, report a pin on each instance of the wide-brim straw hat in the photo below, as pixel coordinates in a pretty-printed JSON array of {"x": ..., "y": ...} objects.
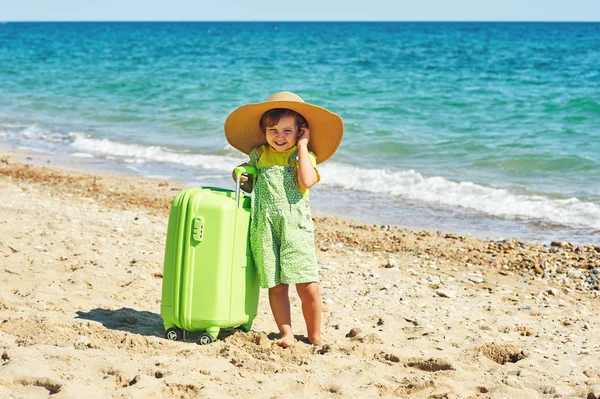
[{"x": 243, "y": 132}]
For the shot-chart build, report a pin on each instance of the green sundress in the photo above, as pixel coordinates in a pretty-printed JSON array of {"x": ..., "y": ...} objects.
[{"x": 281, "y": 229}]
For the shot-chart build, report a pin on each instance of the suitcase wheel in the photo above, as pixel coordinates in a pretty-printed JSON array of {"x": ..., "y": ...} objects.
[
  {"x": 174, "y": 334},
  {"x": 242, "y": 328},
  {"x": 205, "y": 339}
]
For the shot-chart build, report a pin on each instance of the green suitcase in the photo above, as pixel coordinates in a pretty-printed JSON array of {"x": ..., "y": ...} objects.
[{"x": 209, "y": 279}]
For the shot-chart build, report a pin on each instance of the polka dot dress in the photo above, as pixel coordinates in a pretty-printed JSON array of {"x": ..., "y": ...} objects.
[{"x": 281, "y": 228}]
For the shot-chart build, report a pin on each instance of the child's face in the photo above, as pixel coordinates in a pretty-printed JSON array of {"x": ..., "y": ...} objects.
[{"x": 283, "y": 135}]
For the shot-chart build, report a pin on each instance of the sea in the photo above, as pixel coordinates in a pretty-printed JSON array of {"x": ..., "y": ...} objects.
[{"x": 472, "y": 128}]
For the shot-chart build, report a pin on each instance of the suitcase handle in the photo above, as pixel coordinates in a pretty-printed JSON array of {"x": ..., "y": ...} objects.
[{"x": 239, "y": 171}]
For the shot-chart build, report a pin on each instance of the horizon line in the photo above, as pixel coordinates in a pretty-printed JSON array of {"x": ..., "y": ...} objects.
[{"x": 296, "y": 21}]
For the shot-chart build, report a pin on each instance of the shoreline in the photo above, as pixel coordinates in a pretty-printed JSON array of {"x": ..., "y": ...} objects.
[
  {"x": 331, "y": 232},
  {"x": 361, "y": 207},
  {"x": 406, "y": 314}
]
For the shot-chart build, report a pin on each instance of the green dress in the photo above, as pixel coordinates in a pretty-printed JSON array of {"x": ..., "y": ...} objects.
[{"x": 281, "y": 229}]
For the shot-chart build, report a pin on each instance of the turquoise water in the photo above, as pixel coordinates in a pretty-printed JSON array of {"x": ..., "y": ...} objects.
[{"x": 488, "y": 128}]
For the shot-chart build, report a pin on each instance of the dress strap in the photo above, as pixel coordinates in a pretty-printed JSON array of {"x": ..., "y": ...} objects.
[{"x": 254, "y": 156}]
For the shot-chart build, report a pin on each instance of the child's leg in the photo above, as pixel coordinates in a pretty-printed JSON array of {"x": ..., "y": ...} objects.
[
  {"x": 280, "y": 306},
  {"x": 311, "y": 309}
]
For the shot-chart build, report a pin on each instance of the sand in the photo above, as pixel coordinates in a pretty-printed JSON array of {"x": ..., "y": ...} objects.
[{"x": 406, "y": 314}]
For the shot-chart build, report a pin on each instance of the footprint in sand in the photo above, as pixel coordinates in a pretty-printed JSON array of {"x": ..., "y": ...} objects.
[
  {"x": 431, "y": 364},
  {"x": 413, "y": 384},
  {"x": 182, "y": 390},
  {"x": 51, "y": 386},
  {"x": 389, "y": 357},
  {"x": 503, "y": 353},
  {"x": 120, "y": 380},
  {"x": 354, "y": 334}
]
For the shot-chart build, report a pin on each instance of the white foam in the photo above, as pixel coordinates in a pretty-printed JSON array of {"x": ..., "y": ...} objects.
[
  {"x": 34, "y": 132},
  {"x": 136, "y": 153},
  {"x": 404, "y": 184},
  {"x": 439, "y": 191},
  {"x": 82, "y": 155}
]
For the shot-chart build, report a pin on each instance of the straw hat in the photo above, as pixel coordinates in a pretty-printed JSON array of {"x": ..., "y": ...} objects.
[{"x": 243, "y": 132}]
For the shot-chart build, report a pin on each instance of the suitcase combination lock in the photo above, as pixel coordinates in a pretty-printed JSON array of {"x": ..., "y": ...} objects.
[{"x": 198, "y": 229}]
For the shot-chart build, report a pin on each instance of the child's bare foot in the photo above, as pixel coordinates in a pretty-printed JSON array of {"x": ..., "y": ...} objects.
[
  {"x": 316, "y": 341},
  {"x": 285, "y": 341}
]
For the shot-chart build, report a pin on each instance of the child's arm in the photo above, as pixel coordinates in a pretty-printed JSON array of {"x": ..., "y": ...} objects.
[{"x": 307, "y": 175}]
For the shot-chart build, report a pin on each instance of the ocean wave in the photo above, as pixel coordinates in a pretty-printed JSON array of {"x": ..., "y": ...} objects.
[
  {"x": 439, "y": 191},
  {"x": 403, "y": 184},
  {"x": 38, "y": 133},
  {"x": 138, "y": 153},
  {"x": 585, "y": 104},
  {"x": 578, "y": 105}
]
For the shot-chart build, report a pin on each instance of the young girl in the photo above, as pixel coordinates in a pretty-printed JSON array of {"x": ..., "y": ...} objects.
[{"x": 285, "y": 152}]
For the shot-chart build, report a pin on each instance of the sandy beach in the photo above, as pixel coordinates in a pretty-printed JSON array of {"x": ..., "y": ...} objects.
[{"x": 406, "y": 314}]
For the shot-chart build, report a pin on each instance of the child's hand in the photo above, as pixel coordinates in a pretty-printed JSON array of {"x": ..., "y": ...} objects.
[
  {"x": 303, "y": 136},
  {"x": 246, "y": 183}
]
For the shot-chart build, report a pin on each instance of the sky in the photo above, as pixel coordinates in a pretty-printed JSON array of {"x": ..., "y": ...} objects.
[{"x": 300, "y": 10}]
